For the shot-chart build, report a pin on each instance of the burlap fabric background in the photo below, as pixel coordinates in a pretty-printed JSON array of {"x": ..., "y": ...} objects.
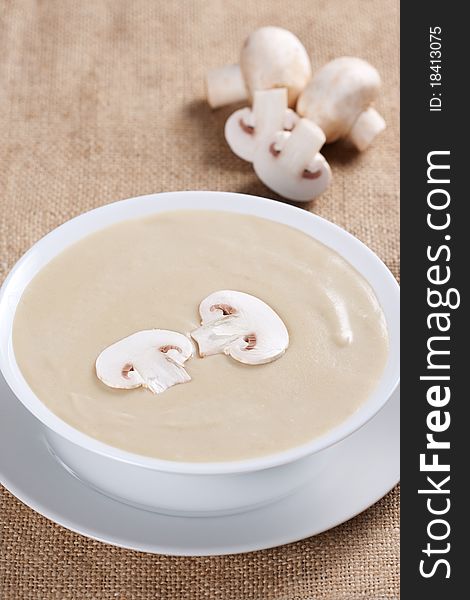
[{"x": 102, "y": 100}]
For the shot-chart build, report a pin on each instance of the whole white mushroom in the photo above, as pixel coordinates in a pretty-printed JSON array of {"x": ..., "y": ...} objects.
[
  {"x": 338, "y": 99},
  {"x": 271, "y": 57}
]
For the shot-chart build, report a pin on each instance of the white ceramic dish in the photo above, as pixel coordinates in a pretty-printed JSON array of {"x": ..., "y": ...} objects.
[
  {"x": 355, "y": 479},
  {"x": 194, "y": 489}
]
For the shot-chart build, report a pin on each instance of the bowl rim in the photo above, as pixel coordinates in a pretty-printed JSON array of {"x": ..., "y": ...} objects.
[{"x": 363, "y": 259}]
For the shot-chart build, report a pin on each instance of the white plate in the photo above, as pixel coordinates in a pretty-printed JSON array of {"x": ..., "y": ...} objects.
[{"x": 364, "y": 467}]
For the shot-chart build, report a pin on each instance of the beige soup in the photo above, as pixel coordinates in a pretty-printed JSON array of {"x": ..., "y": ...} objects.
[{"x": 152, "y": 273}]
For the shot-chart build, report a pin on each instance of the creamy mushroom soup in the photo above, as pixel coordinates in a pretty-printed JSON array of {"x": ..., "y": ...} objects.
[{"x": 153, "y": 272}]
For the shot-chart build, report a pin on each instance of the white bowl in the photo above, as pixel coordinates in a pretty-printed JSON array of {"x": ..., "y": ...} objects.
[{"x": 194, "y": 488}]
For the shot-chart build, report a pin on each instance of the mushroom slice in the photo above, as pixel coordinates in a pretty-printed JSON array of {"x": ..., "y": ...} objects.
[
  {"x": 151, "y": 358},
  {"x": 290, "y": 164},
  {"x": 241, "y": 326},
  {"x": 338, "y": 99},
  {"x": 246, "y": 127}
]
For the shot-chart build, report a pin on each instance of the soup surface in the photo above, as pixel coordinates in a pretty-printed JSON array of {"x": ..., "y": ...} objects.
[{"x": 153, "y": 272}]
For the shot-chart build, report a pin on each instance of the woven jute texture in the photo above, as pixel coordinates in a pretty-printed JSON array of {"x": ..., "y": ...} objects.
[{"x": 104, "y": 99}]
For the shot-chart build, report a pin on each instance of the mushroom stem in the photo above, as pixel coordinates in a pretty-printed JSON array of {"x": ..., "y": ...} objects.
[
  {"x": 269, "y": 110},
  {"x": 225, "y": 85},
  {"x": 214, "y": 337},
  {"x": 365, "y": 128},
  {"x": 159, "y": 377},
  {"x": 301, "y": 146}
]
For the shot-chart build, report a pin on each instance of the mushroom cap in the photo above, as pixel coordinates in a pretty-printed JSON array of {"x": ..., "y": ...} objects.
[
  {"x": 151, "y": 358},
  {"x": 241, "y": 326},
  {"x": 273, "y": 57},
  {"x": 338, "y": 93}
]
